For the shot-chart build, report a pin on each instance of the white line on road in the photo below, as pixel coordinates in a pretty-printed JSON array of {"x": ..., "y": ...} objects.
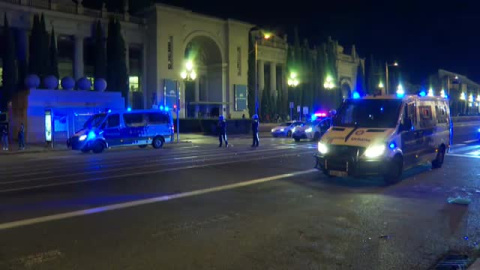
[
  {"x": 26, "y": 222},
  {"x": 463, "y": 155},
  {"x": 141, "y": 173}
]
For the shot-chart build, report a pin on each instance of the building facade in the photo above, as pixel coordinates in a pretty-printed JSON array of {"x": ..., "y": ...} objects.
[{"x": 171, "y": 49}]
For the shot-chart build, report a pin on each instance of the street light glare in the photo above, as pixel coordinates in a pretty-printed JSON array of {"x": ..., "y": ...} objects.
[
  {"x": 193, "y": 75},
  {"x": 267, "y": 35},
  {"x": 380, "y": 85},
  {"x": 183, "y": 75},
  {"x": 189, "y": 65},
  {"x": 395, "y": 64},
  {"x": 293, "y": 75}
]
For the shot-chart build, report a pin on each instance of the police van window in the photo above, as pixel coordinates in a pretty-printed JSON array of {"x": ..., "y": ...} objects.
[
  {"x": 441, "y": 115},
  {"x": 412, "y": 113},
  {"x": 426, "y": 119},
  {"x": 113, "y": 121},
  {"x": 134, "y": 119},
  {"x": 157, "y": 118}
]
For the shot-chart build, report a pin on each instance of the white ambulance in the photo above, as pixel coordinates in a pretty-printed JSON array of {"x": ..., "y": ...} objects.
[{"x": 385, "y": 135}]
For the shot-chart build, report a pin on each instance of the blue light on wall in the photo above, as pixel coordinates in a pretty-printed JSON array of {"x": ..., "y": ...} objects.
[
  {"x": 422, "y": 93},
  {"x": 356, "y": 95},
  {"x": 129, "y": 109}
]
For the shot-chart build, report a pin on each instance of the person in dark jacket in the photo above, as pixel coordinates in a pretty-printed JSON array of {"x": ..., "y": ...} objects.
[
  {"x": 21, "y": 137},
  {"x": 4, "y": 135},
  {"x": 255, "y": 130},
  {"x": 222, "y": 131}
]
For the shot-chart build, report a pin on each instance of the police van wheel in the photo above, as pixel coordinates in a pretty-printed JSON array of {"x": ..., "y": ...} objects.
[
  {"x": 143, "y": 146},
  {"x": 395, "y": 171},
  {"x": 98, "y": 147},
  {"x": 438, "y": 162},
  {"x": 157, "y": 142}
]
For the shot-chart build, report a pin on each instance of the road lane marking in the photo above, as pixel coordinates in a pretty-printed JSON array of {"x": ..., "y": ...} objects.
[
  {"x": 111, "y": 207},
  {"x": 463, "y": 155},
  {"x": 142, "y": 173},
  {"x": 188, "y": 157},
  {"x": 170, "y": 161}
]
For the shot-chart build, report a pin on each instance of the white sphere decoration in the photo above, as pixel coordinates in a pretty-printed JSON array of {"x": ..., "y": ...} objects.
[
  {"x": 68, "y": 83},
  {"x": 50, "y": 82},
  {"x": 84, "y": 84},
  {"x": 32, "y": 81},
  {"x": 100, "y": 85}
]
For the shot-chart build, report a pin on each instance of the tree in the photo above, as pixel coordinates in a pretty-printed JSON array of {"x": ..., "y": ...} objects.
[
  {"x": 9, "y": 75},
  {"x": 117, "y": 77},
  {"x": 43, "y": 49},
  {"x": 100, "y": 68},
  {"x": 53, "y": 56}
]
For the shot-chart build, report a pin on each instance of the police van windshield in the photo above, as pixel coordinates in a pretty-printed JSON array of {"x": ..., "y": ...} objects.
[
  {"x": 368, "y": 113},
  {"x": 94, "y": 121}
]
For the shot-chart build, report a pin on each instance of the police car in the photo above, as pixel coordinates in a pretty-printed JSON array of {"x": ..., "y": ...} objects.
[
  {"x": 285, "y": 129},
  {"x": 314, "y": 129},
  {"x": 384, "y": 135}
]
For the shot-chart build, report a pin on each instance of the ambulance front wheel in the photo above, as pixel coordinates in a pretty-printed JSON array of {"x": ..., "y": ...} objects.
[
  {"x": 394, "y": 171},
  {"x": 98, "y": 147}
]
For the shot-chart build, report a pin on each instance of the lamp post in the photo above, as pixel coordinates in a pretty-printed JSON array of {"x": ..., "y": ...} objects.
[
  {"x": 395, "y": 64},
  {"x": 292, "y": 82},
  {"x": 188, "y": 74},
  {"x": 329, "y": 83}
]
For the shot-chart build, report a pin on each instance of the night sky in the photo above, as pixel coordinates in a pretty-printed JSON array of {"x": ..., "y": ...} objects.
[{"x": 423, "y": 37}]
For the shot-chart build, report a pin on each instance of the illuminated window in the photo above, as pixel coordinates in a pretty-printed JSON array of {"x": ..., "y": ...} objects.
[
  {"x": 170, "y": 52},
  {"x": 134, "y": 84}
]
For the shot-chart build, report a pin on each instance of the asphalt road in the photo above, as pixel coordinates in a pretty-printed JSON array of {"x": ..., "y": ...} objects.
[{"x": 197, "y": 206}]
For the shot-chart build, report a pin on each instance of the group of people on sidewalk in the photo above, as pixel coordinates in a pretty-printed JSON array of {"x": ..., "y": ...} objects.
[
  {"x": 222, "y": 131},
  {"x": 20, "y": 137}
]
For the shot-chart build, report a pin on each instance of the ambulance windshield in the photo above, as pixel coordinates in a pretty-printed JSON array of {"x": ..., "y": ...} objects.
[{"x": 368, "y": 113}]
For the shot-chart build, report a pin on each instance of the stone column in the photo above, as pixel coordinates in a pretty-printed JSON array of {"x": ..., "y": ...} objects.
[
  {"x": 197, "y": 96},
  {"x": 284, "y": 82},
  {"x": 261, "y": 78},
  {"x": 273, "y": 79},
  {"x": 78, "y": 60}
]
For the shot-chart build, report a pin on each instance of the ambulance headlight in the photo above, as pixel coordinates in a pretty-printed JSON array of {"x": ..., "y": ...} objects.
[
  {"x": 273, "y": 130},
  {"x": 322, "y": 148},
  {"x": 375, "y": 150},
  {"x": 282, "y": 130},
  {"x": 82, "y": 138},
  {"x": 308, "y": 130}
]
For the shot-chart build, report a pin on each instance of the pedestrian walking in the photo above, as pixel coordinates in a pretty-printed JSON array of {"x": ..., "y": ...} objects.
[
  {"x": 4, "y": 134},
  {"x": 222, "y": 131},
  {"x": 21, "y": 137},
  {"x": 255, "y": 130}
]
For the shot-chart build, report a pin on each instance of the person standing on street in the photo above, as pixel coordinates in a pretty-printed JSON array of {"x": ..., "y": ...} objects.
[
  {"x": 255, "y": 130},
  {"x": 4, "y": 134},
  {"x": 21, "y": 137},
  {"x": 222, "y": 131}
]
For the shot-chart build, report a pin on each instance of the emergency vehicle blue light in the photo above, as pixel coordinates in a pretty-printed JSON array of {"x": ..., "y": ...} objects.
[
  {"x": 129, "y": 109},
  {"x": 422, "y": 93},
  {"x": 381, "y": 109},
  {"x": 109, "y": 111},
  {"x": 91, "y": 135},
  {"x": 314, "y": 117},
  {"x": 400, "y": 95},
  {"x": 478, "y": 130},
  {"x": 166, "y": 108},
  {"x": 356, "y": 95},
  {"x": 392, "y": 145}
]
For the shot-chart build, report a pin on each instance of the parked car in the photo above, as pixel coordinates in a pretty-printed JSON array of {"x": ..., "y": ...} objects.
[{"x": 285, "y": 129}]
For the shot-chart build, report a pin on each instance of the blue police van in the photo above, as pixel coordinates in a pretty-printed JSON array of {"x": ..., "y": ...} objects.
[{"x": 124, "y": 128}]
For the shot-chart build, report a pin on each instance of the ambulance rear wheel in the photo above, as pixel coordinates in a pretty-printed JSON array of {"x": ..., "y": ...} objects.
[
  {"x": 395, "y": 170},
  {"x": 157, "y": 142},
  {"x": 438, "y": 162}
]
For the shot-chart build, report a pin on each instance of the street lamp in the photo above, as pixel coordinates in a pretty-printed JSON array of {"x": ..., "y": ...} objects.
[
  {"x": 329, "y": 84},
  {"x": 189, "y": 73},
  {"x": 293, "y": 80},
  {"x": 442, "y": 93},
  {"x": 380, "y": 85},
  {"x": 395, "y": 64}
]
